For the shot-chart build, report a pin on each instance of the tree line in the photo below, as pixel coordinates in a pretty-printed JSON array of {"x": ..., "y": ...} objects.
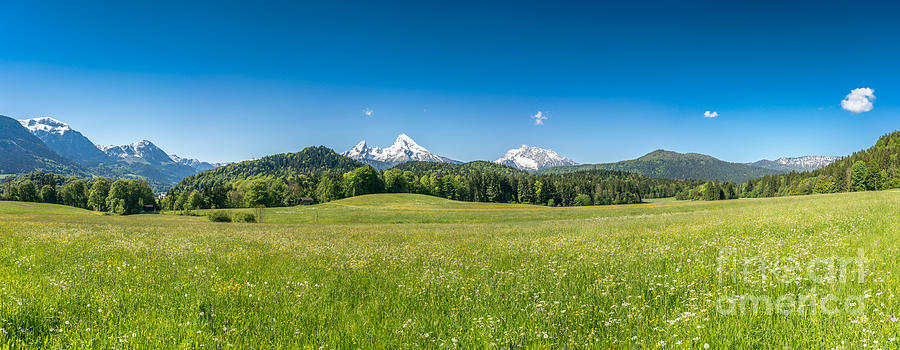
[
  {"x": 599, "y": 187},
  {"x": 124, "y": 196},
  {"x": 876, "y": 168}
]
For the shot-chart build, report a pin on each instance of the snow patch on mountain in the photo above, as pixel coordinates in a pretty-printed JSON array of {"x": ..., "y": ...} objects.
[
  {"x": 805, "y": 163},
  {"x": 66, "y": 141},
  {"x": 530, "y": 158},
  {"x": 45, "y": 124},
  {"x": 197, "y": 164},
  {"x": 403, "y": 150},
  {"x": 814, "y": 162},
  {"x": 143, "y": 149}
]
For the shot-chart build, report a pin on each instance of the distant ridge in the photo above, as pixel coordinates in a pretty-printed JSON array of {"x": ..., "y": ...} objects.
[{"x": 673, "y": 165}]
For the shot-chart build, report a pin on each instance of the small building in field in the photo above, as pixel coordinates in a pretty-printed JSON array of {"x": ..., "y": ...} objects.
[{"x": 306, "y": 201}]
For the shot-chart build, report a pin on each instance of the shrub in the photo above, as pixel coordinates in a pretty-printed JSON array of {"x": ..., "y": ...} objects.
[
  {"x": 895, "y": 183},
  {"x": 244, "y": 217},
  {"x": 583, "y": 199},
  {"x": 218, "y": 216}
]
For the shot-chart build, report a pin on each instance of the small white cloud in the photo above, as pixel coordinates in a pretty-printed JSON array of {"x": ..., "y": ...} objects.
[
  {"x": 368, "y": 112},
  {"x": 859, "y": 100},
  {"x": 710, "y": 114},
  {"x": 539, "y": 118}
]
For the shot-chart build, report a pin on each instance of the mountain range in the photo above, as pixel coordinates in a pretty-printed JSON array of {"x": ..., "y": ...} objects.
[
  {"x": 47, "y": 144},
  {"x": 403, "y": 150}
]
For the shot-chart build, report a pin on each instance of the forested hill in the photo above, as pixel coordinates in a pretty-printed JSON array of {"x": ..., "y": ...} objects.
[
  {"x": 674, "y": 165},
  {"x": 478, "y": 166},
  {"x": 310, "y": 160},
  {"x": 875, "y": 168}
]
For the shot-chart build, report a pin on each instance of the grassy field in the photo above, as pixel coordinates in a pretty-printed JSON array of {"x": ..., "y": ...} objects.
[{"x": 408, "y": 271}]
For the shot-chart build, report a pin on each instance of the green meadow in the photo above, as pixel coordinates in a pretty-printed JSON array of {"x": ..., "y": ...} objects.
[{"x": 410, "y": 271}]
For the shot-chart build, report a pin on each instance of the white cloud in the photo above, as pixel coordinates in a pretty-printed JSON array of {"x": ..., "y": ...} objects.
[
  {"x": 539, "y": 118},
  {"x": 368, "y": 112},
  {"x": 859, "y": 100},
  {"x": 710, "y": 114}
]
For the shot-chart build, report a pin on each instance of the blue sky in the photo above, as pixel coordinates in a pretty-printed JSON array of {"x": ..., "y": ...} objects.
[{"x": 226, "y": 81}]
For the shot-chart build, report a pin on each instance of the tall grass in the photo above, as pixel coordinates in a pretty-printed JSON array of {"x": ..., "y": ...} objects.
[{"x": 412, "y": 272}]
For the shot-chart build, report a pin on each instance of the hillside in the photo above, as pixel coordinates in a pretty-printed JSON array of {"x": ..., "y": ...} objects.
[
  {"x": 875, "y": 168},
  {"x": 311, "y": 160},
  {"x": 23, "y": 152},
  {"x": 673, "y": 165}
]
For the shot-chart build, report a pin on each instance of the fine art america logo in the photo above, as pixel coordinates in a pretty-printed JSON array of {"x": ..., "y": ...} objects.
[{"x": 808, "y": 286}]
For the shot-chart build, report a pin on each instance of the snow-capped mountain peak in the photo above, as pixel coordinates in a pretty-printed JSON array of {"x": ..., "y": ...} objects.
[
  {"x": 533, "y": 158},
  {"x": 197, "y": 164},
  {"x": 66, "y": 141},
  {"x": 805, "y": 163},
  {"x": 404, "y": 149},
  {"x": 406, "y": 146},
  {"x": 403, "y": 140},
  {"x": 45, "y": 124},
  {"x": 142, "y": 149},
  {"x": 361, "y": 146}
]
